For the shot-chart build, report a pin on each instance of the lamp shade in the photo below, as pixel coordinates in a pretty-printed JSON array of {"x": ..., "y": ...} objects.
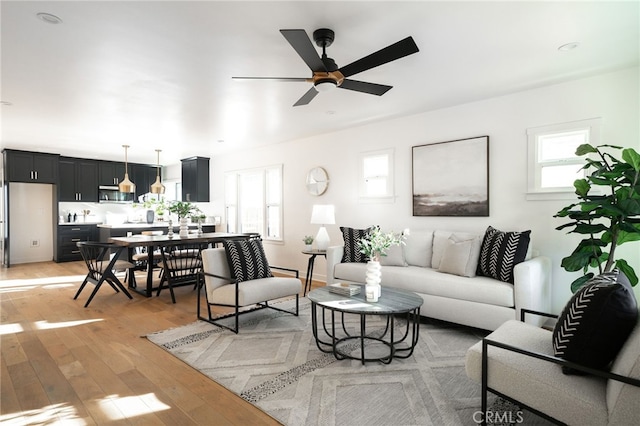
[
  {"x": 323, "y": 214},
  {"x": 126, "y": 185}
]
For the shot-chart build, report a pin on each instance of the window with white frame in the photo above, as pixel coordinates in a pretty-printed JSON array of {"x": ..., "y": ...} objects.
[
  {"x": 253, "y": 201},
  {"x": 553, "y": 164},
  {"x": 376, "y": 175}
]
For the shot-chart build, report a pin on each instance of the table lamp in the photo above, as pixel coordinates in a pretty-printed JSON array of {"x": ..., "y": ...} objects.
[{"x": 323, "y": 214}]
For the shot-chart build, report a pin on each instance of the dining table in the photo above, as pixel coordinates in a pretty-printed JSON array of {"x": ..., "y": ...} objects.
[{"x": 151, "y": 242}]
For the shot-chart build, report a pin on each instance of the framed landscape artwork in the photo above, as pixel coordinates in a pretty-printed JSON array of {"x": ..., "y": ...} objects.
[{"x": 451, "y": 178}]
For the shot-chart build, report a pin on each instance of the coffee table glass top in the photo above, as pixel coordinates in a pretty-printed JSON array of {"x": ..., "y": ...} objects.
[{"x": 391, "y": 301}]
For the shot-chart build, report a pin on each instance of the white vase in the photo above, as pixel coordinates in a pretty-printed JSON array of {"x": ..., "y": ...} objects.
[
  {"x": 184, "y": 227},
  {"x": 373, "y": 289}
]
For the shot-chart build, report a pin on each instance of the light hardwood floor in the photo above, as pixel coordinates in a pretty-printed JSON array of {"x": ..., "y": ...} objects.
[{"x": 65, "y": 363}]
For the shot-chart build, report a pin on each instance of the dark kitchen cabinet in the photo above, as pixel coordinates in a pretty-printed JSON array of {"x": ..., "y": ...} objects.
[
  {"x": 111, "y": 173},
  {"x": 68, "y": 236},
  {"x": 195, "y": 179},
  {"x": 78, "y": 180},
  {"x": 143, "y": 176},
  {"x": 31, "y": 167}
]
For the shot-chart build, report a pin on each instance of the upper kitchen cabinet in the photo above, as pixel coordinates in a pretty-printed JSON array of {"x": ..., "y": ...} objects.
[
  {"x": 195, "y": 179},
  {"x": 30, "y": 167},
  {"x": 78, "y": 180},
  {"x": 110, "y": 173},
  {"x": 143, "y": 176}
]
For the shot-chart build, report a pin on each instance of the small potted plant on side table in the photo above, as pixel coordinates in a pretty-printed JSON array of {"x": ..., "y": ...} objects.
[{"x": 308, "y": 240}]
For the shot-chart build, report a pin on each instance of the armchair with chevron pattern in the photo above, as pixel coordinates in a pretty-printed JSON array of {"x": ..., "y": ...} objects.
[
  {"x": 586, "y": 371},
  {"x": 238, "y": 276}
]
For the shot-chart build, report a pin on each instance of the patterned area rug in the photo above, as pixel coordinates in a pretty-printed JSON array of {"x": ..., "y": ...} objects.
[{"x": 275, "y": 364}]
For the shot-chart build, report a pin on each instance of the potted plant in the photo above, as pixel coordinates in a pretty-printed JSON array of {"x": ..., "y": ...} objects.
[
  {"x": 606, "y": 220},
  {"x": 374, "y": 245},
  {"x": 308, "y": 240},
  {"x": 183, "y": 209}
]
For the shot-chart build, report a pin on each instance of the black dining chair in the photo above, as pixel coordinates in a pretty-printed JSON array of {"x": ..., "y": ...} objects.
[
  {"x": 102, "y": 262},
  {"x": 181, "y": 265}
]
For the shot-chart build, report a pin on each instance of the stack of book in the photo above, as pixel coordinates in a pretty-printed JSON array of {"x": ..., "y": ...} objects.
[{"x": 344, "y": 289}]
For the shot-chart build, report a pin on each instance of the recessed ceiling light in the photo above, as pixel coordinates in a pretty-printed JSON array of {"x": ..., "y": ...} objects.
[
  {"x": 569, "y": 46},
  {"x": 5, "y": 103},
  {"x": 220, "y": 140},
  {"x": 49, "y": 18},
  {"x": 330, "y": 112}
]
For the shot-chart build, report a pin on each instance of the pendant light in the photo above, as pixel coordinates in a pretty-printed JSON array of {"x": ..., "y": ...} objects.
[
  {"x": 157, "y": 187},
  {"x": 126, "y": 185}
]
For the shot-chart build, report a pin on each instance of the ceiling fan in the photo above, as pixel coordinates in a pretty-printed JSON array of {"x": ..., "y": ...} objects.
[{"x": 327, "y": 75}]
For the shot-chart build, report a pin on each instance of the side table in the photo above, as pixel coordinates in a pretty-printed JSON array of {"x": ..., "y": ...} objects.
[{"x": 312, "y": 257}]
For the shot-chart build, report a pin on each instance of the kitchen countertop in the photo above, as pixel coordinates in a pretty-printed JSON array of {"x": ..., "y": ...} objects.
[
  {"x": 79, "y": 223},
  {"x": 147, "y": 225}
]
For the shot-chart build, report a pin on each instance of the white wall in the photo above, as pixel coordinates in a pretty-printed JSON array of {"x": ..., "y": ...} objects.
[{"x": 613, "y": 96}]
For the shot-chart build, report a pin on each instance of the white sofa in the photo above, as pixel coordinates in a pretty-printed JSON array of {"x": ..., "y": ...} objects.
[{"x": 475, "y": 301}]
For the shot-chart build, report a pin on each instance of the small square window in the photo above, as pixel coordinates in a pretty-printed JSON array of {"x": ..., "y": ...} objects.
[{"x": 553, "y": 164}]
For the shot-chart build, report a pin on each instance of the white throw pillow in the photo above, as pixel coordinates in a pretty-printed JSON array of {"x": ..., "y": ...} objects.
[
  {"x": 418, "y": 248},
  {"x": 460, "y": 256},
  {"x": 394, "y": 257},
  {"x": 440, "y": 243}
]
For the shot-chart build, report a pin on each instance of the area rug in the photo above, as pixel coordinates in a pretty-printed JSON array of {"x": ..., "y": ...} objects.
[{"x": 275, "y": 364}]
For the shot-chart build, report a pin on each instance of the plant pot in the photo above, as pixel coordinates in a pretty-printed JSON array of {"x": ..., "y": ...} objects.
[
  {"x": 308, "y": 247},
  {"x": 184, "y": 227}
]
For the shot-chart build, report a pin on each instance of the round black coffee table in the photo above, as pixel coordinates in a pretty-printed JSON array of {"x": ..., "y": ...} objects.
[{"x": 394, "y": 307}]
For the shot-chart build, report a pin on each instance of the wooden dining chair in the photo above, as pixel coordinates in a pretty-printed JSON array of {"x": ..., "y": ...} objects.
[
  {"x": 102, "y": 261},
  {"x": 181, "y": 265}
]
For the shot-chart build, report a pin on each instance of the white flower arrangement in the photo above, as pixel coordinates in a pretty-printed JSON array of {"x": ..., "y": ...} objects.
[{"x": 376, "y": 243}]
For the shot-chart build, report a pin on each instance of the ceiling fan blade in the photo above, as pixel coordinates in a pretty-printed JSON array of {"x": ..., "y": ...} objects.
[
  {"x": 307, "y": 97},
  {"x": 390, "y": 53},
  {"x": 299, "y": 40},
  {"x": 275, "y": 78},
  {"x": 364, "y": 87}
]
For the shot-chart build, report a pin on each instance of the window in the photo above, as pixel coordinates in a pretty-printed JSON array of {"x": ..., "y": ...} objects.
[
  {"x": 253, "y": 202},
  {"x": 376, "y": 175},
  {"x": 553, "y": 165}
]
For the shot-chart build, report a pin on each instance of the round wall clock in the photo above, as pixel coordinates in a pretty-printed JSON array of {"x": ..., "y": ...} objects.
[{"x": 317, "y": 181}]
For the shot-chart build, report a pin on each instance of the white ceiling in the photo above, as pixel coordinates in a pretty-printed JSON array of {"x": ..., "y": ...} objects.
[{"x": 157, "y": 74}]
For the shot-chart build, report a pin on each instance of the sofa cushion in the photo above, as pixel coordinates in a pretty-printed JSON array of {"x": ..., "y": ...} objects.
[
  {"x": 394, "y": 256},
  {"x": 576, "y": 400},
  {"x": 440, "y": 243},
  {"x": 460, "y": 256},
  {"x": 430, "y": 281},
  {"x": 351, "y": 237},
  {"x": 622, "y": 399},
  {"x": 596, "y": 321},
  {"x": 418, "y": 248},
  {"x": 500, "y": 252},
  {"x": 247, "y": 260}
]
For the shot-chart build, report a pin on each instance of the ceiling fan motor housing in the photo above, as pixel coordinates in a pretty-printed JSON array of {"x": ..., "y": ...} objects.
[{"x": 324, "y": 37}]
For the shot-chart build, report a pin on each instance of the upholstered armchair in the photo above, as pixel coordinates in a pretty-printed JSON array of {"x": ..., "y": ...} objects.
[{"x": 238, "y": 276}]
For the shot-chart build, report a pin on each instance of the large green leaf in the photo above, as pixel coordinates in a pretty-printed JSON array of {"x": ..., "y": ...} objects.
[
  {"x": 590, "y": 229},
  {"x": 632, "y": 157},
  {"x": 582, "y": 187},
  {"x": 580, "y": 282},
  {"x": 576, "y": 262},
  {"x": 628, "y": 271},
  {"x": 585, "y": 149}
]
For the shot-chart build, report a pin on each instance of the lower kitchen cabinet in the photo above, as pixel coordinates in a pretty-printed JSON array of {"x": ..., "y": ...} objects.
[{"x": 68, "y": 236}]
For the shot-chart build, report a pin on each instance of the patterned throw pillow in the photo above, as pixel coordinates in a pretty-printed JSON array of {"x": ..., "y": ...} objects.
[
  {"x": 500, "y": 252},
  {"x": 351, "y": 237},
  {"x": 247, "y": 260},
  {"x": 596, "y": 322}
]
